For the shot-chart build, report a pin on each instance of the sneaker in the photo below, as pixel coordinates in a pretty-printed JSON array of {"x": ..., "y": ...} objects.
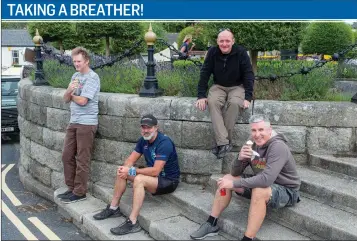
[
  {"x": 223, "y": 150},
  {"x": 215, "y": 150},
  {"x": 204, "y": 231},
  {"x": 126, "y": 227},
  {"x": 74, "y": 198},
  {"x": 108, "y": 212},
  {"x": 66, "y": 194}
]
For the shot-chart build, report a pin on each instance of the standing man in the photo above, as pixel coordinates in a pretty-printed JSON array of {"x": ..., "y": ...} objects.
[
  {"x": 233, "y": 87},
  {"x": 161, "y": 176},
  {"x": 82, "y": 92},
  {"x": 275, "y": 182}
]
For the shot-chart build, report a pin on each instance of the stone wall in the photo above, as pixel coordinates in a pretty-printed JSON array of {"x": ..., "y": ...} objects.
[{"x": 310, "y": 127}]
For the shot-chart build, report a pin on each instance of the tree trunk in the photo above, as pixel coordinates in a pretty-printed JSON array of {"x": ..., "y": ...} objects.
[
  {"x": 60, "y": 43},
  {"x": 107, "y": 50},
  {"x": 254, "y": 60}
]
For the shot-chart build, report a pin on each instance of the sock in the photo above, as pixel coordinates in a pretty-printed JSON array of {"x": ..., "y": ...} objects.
[
  {"x": 114, "y": 207},
  {"x": 212, "y": 220},
  {"x": 245, "y": 238}
]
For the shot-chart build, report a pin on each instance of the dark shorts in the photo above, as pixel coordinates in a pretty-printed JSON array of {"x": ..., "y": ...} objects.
[
  {"x": 165, "y": 186},
  {"x": 280, "y": 197}
]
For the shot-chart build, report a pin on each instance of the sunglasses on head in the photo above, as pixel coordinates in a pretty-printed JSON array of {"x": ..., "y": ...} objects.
[{"x": 224, "y": 29}]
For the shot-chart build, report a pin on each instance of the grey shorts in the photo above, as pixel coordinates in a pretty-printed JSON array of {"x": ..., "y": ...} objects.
[{"x": 280, "y": 197}]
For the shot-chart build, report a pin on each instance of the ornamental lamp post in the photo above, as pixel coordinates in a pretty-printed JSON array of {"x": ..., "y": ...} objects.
[
  {"x": 39, "y": 74},
  {"x": 150, "y": 87}
]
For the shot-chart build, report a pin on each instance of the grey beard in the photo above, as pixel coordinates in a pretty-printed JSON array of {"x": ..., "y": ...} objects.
[{"x": 148, "y": 138}]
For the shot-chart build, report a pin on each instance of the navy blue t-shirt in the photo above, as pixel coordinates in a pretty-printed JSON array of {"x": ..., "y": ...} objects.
[
  {"x": 186, "y": 47},
  {"x": 162, "y": 149}
]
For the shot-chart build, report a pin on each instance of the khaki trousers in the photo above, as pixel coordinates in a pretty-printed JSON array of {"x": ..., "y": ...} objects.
[
  {"x": 223, "y": 119},
  {"x": 76, "y": 155}
]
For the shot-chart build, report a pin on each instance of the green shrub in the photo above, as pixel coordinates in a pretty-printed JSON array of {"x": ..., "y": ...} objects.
[
  {"x": 326, "y": 37},
  {"x": 349, "y": 71},
  {"x": 197, "y": 37},
  {"x": 182, "y": 80},
  {"x": 312, "y": 86}
]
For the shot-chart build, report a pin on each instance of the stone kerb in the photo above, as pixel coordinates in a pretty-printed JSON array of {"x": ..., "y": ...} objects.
[{"x": 309, "y": 127}]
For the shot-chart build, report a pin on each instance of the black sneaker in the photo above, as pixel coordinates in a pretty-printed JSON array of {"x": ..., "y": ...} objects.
[
  {"x": 66, "y": 194},
  {"x": 223, "y": 150},
  {"x": 74, "y": 198},
  {"x": 215, "y": 150},
  {"x": 108, "y": 212},
  {"x": 126, "y": 227}
]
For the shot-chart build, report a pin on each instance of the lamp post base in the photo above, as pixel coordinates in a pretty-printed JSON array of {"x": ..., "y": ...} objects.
[
  {"x": 39, "y": 79},
  {"x": 150, "y": 92},
  {"x": 354, "y": 99},
  {"x": 150, "y": 88}
]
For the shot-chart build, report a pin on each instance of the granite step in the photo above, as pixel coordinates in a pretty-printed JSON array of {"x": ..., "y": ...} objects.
[
  {"x": 339, "y": 164},
  {"x": 330, "y": 188},
  {"x": 81, "y": 213},
  {"x": 162, "y": 219},
  {"x": 196, "y": 203},
  {"x": 309, "y": 217}
]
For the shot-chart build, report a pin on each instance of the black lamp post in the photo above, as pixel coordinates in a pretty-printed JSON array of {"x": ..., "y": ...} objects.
[
  {"x": 150, "y": 87},
  {"x": 39, "y": 74}
]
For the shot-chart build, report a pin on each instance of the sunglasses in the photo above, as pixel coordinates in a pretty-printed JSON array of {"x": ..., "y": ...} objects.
[{"x": 224, "y": 29}]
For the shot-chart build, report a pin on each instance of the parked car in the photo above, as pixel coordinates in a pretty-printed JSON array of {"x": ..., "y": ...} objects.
[{"x": 9, "y": 89}]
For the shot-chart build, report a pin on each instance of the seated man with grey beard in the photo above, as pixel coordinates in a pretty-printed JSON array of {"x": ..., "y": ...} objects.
[{"x": 161, "y": 176}]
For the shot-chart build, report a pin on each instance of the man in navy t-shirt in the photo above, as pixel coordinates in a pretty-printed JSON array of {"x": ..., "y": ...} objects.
[{"x": 161, "y": 175}]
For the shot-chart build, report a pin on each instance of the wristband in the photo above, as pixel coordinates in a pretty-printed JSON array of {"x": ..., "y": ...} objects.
[{"x": 132, "y": 171}]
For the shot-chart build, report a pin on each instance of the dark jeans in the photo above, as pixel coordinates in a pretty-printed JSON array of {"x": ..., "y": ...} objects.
[{"x": 76, "y": 155}]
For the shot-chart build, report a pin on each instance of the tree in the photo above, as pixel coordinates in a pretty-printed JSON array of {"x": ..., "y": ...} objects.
[
  {"x": 259, "y": 36},
  {"x": 126, "y": 32},
  {"x": 326, "y": 38},
  {"x": 198, "y": 37},
  {"x": 175, "y": 27},
  {"x": 51, "y": 32},
  {"x": 93, "y": 45}
]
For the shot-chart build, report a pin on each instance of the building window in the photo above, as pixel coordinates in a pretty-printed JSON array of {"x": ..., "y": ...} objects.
[{"x": 15, "y": 57}]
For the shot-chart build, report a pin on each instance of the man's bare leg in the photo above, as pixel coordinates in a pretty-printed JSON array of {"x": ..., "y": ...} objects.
[
  {"x": 221, "y": 202},
  {"x": 257, "y": 210},
  {"x": 141, "y": 182},
  {"x": 119, "y": 189}
]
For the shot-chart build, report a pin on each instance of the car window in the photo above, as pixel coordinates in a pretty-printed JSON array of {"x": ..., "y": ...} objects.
[{"x": 9, "y": 88}]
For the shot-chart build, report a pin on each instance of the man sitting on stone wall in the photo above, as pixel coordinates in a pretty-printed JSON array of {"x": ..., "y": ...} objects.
[
  {"x": 275, "y": 182},
  {"x": 161, "y": 176},
  {"x": 233, "y": 79}
]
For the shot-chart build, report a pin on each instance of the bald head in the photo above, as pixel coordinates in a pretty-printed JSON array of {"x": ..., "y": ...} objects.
[
  {"x": 225, "y": 33},
  {"x": 225, "y": 41}
]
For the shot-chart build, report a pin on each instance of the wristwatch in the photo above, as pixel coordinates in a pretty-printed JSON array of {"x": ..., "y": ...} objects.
[{"x": 132, "y": 171}]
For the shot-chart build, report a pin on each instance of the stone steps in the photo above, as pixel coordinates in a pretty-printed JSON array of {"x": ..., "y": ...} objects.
[
  {"x": 162, "y": 219},
  {"x": 339, "y": 190},
  {"x": 344, "y": 165},
  {"x": 82, "y": 215},
  {"x": 309, "y": 217},
  {"x": 196, "y": 204}
]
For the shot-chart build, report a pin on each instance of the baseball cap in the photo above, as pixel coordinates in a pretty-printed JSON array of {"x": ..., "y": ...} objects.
[{"x": 148, "y": 120}]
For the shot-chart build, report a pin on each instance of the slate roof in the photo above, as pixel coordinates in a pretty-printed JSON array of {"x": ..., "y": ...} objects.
[
  {"x": 171, "y": 37},
  {"x": 16, "y": 38}
]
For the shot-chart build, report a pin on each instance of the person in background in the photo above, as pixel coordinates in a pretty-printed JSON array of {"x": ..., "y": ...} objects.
[{"x": 185, "y": 49}]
